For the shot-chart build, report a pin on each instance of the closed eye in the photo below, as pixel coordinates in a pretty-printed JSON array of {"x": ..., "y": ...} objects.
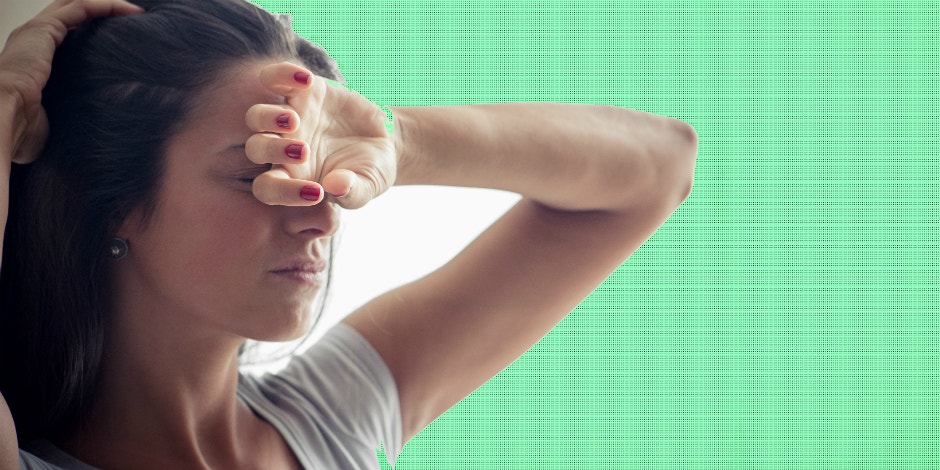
[{"x": 248, "y": 175}]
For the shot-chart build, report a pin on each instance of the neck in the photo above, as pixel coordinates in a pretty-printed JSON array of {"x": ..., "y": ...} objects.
[{"x": 167, "y": 395}]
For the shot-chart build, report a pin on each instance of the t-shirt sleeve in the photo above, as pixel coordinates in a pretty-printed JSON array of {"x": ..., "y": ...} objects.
[
  {"x": 29, "y": 461},
  {"x": 339, "y": 394},
  {"x": 43, "y": 455}
]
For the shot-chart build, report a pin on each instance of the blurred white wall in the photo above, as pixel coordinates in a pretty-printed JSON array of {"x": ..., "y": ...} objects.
[{"x": 16, "y": 12}]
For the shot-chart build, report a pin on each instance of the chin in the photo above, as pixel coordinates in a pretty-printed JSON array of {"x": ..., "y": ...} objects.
[{"x": 284, "y": 328}]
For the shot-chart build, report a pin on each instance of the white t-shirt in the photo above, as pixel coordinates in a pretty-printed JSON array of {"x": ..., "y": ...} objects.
[{"x": 334, "y": 405}]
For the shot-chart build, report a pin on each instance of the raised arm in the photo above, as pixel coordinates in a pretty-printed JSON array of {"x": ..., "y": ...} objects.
[
  {"x": 8, "y": 443},
  {"x": 596, "y": 183},
  {"x": 25, "y": 64},
  {"x": 7, "y": 111}
]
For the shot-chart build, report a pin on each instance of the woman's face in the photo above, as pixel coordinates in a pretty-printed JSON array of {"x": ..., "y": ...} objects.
[{"x": 212, "y": 257}]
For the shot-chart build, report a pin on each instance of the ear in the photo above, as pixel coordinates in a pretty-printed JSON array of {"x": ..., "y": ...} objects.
[{"x": 131, "y": 225}]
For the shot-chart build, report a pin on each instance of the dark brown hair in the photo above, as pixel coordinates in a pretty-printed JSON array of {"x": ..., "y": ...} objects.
[{"x": 119, "y": 89}]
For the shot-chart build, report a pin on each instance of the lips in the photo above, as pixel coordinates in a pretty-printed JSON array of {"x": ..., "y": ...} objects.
[
  {"x": 303, "y": 271},
  {"x": 302, "y": 265}
]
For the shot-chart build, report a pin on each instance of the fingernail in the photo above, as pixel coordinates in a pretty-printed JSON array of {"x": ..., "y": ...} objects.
[
  {"x": 302, "y": 77},
  {"x": 310, "y": 193},
  {"x": 294, "y": 151},
  {"x": 283, "y": 121}
]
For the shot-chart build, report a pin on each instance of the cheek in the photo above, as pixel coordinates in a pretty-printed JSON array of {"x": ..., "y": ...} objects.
[
  {"x": 225, "y": 237},
  {"x": 218, "y": 245},
  {"x": 227, "y": 230}
]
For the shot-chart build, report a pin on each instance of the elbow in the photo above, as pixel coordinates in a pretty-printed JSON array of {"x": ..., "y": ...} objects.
[
  {"x": 683, "y": 158},
  {"x": 670, "y": 167},
  {"x": 658, "y": 163}
]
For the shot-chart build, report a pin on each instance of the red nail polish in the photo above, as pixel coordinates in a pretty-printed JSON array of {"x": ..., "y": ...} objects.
[
  {"x": 294, "y": 151},
  {"x": 310, "y": 193},
  {"x": 302, "y": 77},
  {"x": 283, "y": 121}
]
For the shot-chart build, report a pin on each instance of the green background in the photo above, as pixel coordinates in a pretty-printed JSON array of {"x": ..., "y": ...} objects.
[{"x": 786, "y": 316}]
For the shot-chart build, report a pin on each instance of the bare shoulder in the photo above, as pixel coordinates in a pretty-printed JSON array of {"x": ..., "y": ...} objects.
[{"x": 9, "y": 457}]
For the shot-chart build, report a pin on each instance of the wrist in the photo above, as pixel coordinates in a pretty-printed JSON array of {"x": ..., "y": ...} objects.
[
  {"x": 401, "y": 130},
  {"x": 11, "y": 128}
]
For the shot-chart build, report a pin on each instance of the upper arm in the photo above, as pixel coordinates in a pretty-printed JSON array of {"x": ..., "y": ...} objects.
[
  {"x": 446, "y": 334},
  {"x": 9, "y": 454}
]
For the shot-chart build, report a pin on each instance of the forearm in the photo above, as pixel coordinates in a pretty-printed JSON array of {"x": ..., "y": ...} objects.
[
  {"x": 8, "y": 443},
  {"x": 8, "y": 135},
  {"x": 571, "y": 157}
]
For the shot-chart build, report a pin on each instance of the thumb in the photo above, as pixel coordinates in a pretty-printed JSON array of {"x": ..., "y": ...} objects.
[{"x": 348, "y": 189}]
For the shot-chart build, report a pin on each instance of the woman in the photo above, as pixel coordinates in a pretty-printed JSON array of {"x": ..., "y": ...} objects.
[{"x": 185, "y": 202}]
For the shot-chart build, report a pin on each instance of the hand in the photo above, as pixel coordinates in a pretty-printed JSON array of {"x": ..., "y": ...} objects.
[
  {"x": 343, "y": 147},
  {"x": 26, "y": 62}
]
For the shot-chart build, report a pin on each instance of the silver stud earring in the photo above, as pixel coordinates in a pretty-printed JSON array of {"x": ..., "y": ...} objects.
[{"x": 118, "y": 249}]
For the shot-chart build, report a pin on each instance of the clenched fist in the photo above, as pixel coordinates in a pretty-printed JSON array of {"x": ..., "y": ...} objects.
[{"x": 325, "y": 137}]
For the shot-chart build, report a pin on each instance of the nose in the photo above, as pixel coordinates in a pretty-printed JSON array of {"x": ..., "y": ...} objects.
[{"x": 319, "y": 221}]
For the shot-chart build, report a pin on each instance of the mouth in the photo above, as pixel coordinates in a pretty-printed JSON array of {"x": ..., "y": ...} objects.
[{"x": 307, "y": 272}]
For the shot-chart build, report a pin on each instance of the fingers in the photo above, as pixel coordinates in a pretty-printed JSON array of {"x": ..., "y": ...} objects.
[
  {"x": 300, "y": 137},
  {"x": 71, "y": 13},
  {"x": 348, "y": 189},
  {"x": 276, "y": 187},
  {"x": 76, "y": 12},
  {"x": 278, "y": 119},
  {"x": 339, "y": 183},
  {"x": 122, "y": 8},
  {"x": 286, "y": 78},
  {"x": 271, "y": 148}
]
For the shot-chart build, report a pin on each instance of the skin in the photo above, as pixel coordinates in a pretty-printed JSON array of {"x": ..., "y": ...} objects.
[
  {"x": 199, "y": 278},
  {"x": 206, "y": 272}
]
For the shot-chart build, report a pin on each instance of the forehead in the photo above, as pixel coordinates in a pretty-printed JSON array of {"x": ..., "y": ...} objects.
[
  {"x": 220, "y": 110},
  {"x": 241, "y": 81}
]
